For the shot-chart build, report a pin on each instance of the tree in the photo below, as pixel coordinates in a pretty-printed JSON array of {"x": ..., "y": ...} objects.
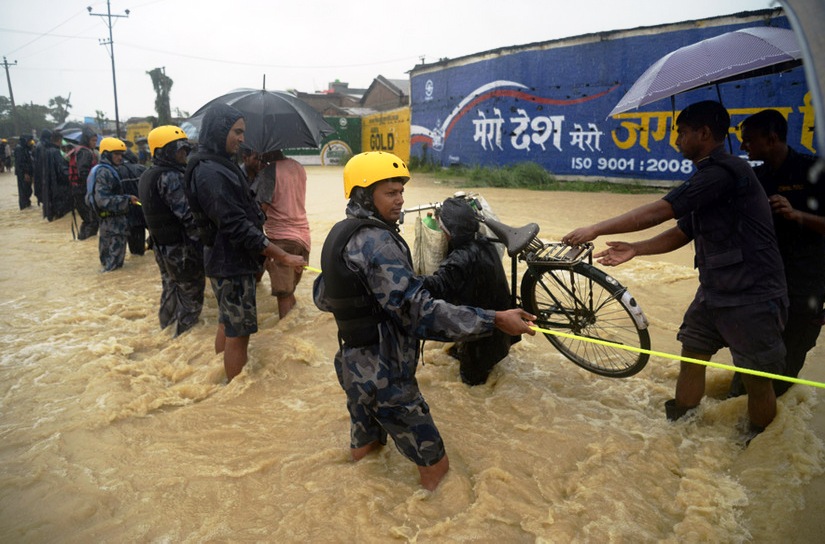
[
  {"x": 59, "y": 108},
  {"x": 162, "y": 84},
  {"x": 31, "y": 118},
  {"x": 100, "y": 119}
]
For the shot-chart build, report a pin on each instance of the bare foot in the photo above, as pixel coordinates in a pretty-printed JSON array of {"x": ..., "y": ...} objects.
[{"x": 431, "y": 476}]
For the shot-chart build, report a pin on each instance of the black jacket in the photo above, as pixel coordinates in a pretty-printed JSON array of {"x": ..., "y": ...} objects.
[
  {"x": 472, "y": 274},
  {"x": 230, "y": 221},
  {"x": 57, "y": 198}
]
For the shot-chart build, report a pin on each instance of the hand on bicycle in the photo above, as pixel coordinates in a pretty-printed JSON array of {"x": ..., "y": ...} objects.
[
  {"x": 616, "y": 253},
  {"x": 515, "y": 322},
  {"x": 580, "y": 236}
]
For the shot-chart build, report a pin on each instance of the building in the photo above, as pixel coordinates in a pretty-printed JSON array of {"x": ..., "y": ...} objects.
[{"x": 549, "y": 103}]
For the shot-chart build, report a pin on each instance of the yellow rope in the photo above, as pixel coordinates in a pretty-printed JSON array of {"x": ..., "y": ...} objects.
[
  {"x": 665, "y": 355},
  {"x": 680, "y": 358}
]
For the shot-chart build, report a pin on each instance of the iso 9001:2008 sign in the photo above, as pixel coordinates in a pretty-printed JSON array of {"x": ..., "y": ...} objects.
[{"x": 613, "y": 164}]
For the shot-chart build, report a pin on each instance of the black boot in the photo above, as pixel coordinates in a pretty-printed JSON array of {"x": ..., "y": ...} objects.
[{"x": 674, "y": 412}]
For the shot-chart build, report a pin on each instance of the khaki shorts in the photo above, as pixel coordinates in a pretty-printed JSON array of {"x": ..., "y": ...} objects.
[{"x": 285, "y": 278}]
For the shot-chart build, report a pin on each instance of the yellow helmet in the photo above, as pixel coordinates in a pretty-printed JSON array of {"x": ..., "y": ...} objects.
[
  {"x": 162, "y": 135},
  {"x": 111, "y": 144},
  {"x": 364, "y": 169}
]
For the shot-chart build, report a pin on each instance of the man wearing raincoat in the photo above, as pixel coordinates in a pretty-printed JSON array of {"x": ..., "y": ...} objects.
[
  {"x": 472, "y": 274},
  {"x": 230, "y": 225}
]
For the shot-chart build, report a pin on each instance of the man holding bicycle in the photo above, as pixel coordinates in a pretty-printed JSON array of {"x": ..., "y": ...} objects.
[
  {"x": 741, "y": 302},
  {"x": 382, "y": 311}
]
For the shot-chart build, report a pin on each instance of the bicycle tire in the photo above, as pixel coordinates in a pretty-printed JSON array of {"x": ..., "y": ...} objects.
[{"x": 584, "y": 301}]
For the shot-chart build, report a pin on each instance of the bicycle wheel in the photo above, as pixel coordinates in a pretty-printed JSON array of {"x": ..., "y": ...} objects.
[{"x": 584, "y": 301}]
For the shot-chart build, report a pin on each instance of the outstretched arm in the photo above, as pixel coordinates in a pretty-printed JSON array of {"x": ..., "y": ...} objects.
[
  {"x": 621, "y": 252},
  {"x": 643, "y": 217}
]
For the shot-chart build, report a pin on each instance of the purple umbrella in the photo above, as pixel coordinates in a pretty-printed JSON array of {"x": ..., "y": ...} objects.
[{"x": 743, "y": 53}]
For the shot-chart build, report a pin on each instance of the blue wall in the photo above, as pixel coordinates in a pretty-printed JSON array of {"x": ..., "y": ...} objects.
[{"x": 550, "y": 107}]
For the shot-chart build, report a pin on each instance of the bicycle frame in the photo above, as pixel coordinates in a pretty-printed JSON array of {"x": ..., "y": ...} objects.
[{"x": 563, "y": 289}]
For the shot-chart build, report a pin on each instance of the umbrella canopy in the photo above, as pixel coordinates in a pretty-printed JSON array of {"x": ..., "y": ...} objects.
[
  {"x": 73, "y": 135},
  {"x": 274, "y": 120},
  {"x": 743, "y": 53},
  {"x": 69, "y": 125}
]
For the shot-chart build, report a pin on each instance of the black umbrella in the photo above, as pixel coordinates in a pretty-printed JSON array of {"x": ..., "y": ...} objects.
[{"x": 274, "y": 120}]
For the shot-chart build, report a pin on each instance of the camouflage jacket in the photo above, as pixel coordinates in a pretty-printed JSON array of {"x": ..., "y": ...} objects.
[
  {"x": 112, "y": 201},
  {"x": 414, "y": 314}
]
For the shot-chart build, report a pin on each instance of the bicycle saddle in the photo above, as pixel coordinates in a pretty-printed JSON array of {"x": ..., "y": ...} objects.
[{"x": 514, "y": 239}]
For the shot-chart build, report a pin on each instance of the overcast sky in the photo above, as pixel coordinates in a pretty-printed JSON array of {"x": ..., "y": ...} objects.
[{"x": 209, "y": 47}]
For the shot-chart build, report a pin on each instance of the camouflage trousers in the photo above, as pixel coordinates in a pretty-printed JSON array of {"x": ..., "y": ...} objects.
[
  {"x": 183, "y": 282},
  {"x": 381, "y": 403},
  {"x": 114, "y": 232},
  {"x": 237, "y": 307}
]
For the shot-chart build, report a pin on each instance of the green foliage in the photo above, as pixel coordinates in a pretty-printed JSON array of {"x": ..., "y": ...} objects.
[
  {"x": 31, "y": 119},
  {"x": 59, "y": 108},
  {"x": 162, "y": 84},
  {"x": 525, "y": 175}
]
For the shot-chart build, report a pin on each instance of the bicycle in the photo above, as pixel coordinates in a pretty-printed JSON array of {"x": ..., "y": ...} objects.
[{"x": 567, "y": 293}]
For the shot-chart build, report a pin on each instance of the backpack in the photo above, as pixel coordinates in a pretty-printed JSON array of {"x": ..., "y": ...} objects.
[
  {"x": 74, "y": 173},
  {"x": 130, "y": 173},
  {"x": 90, "y": 186}
]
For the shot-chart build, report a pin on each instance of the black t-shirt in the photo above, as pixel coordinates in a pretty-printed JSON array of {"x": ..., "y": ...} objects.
[
  {"x": 725, "y": 211},
  {"x": 803, "y": 250}
]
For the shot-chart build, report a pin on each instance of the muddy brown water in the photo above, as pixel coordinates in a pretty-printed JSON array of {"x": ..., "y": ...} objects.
[{"x": 112, "y": 431}]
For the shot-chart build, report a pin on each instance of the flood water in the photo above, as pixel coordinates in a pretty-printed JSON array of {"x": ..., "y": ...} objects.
[{"x": 113, "y": 431}]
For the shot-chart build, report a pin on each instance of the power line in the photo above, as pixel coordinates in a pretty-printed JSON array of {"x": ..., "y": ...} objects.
[
  {"x": 42, "y": 34},
  {"x": 111, "y": 43}
]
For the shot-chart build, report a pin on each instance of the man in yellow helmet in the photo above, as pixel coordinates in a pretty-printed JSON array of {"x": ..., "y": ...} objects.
[
  {"x": 105, "y": 197},
  {"x": 172, "y": 229},
  {"x": 382, "y": 311}
]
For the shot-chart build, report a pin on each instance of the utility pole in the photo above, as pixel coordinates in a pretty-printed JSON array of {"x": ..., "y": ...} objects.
[
  {"x": 6, "y": 65},
  {"x": 111, "y": 43}
]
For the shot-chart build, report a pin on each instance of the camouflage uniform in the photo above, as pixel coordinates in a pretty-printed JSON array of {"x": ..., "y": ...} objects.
[
  {"x": 113, "y": 206},
  {"x": 180, "y": 264},
  {"x": 379, "y": 379}
]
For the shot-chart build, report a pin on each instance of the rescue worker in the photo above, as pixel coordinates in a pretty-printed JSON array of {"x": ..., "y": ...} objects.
[
  {"x": 741, "y": 302},
  {"x": 130, "y": 172},
  {"x": 382, "y": 311},
  {"x": 24, "y": 168},
  {"x": 472, "y": 274},
  {"x": 57, "y": 199},
  {"x": 85, "y": 161},
  {"x": 39, "y": 165},
  {"x": 173, "y": 233},
  {"x": 107, "y": 198}
]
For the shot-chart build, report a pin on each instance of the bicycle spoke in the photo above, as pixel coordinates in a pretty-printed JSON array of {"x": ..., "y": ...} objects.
[{"x": 582, "y": 302}]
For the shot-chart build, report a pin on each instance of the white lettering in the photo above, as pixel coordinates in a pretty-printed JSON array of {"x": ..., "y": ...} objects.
[
  {"x": 581, "y": 138},
  {"x": 543, "y": 128},
  {"x": 488, "y": 131}
]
